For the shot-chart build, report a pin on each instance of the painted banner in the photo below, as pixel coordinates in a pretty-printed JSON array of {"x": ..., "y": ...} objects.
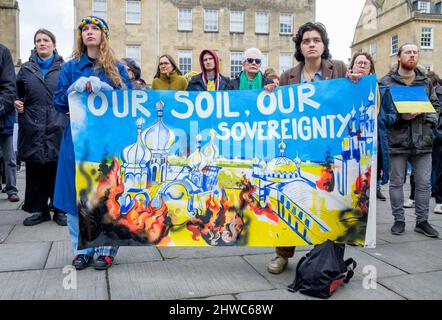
[{"x": 228, "y": 168}]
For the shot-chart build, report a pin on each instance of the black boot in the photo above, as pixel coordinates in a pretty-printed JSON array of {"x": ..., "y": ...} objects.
[
  {"x": 60, "y": 218},
  {"x": 37, "y": 218},
  {"x": 379, "y": 195}
]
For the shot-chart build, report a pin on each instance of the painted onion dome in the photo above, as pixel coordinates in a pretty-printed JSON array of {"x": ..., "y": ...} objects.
[
  {"x": 159, "y": 138},
  {"x": 371, "y": 95},
  {"x": 282, "y": 164},
  {"x": 197, "y": 160},
  {"x": 211, "y": 151},
  {"x": 137, "y": 153}
]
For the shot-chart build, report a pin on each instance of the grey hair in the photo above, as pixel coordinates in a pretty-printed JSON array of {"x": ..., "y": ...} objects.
[{"x": 250, "y": 51}]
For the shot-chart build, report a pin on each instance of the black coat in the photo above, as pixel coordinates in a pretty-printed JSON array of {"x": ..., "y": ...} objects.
[
  {"x": 197, "y": 83},
  {"x": 7, "y": 90},
  {"x": 41, "y": 127},
  {"x": 235, "y": 83}
]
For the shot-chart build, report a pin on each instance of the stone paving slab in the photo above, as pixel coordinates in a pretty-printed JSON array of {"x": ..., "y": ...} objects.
[
  {"x": 365, "y": 261},
  {"x": 47, "y": 231},
  {"x": 209, "y": 252},
  {"x": 411, "y": 257},
  {"x": 9, "y": 206},
  {"x": 26, "y": 256},
  {"x": 419, "y": 286},
  {"x": 61, "y": 255},
  {"x": 48, "y": 285},
  {"x": 181, "y": 279},
  {"x": 13, "y": 217},
  {"x": 137, "y": 255},
  {"x": 4, "y": 232},
  {"x": 259, "y": 263},
  {"x": 383, "y": 233},
  {"x": 351, "y": 291},
  {"x": 223, "y": 297}
]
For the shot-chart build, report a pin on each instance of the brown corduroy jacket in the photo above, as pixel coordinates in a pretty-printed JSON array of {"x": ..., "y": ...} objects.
[{"x": 331, "y": 69}]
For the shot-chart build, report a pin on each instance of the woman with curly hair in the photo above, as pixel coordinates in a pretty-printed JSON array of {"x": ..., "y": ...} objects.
[{"x": 93, "y": 68}]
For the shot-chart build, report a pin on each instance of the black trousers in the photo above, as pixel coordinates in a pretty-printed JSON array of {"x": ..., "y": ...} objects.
[
  {"x": 40, "y": 185},
  {"x": 437, "y": 168}
]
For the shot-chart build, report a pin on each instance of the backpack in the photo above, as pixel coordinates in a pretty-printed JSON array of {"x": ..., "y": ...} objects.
[{"x": 321, "y": 271}]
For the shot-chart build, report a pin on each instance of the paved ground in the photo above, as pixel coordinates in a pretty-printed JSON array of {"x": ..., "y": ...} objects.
[{"x": 32, "y": 261}]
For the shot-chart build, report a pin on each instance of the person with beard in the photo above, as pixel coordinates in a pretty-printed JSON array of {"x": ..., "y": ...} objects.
[
  {"x": 210, "y": 79},
  {"x": 411, "y": 138}
]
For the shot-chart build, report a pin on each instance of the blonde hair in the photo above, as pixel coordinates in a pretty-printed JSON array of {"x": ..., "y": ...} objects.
[{"x": 105, "y": 61}]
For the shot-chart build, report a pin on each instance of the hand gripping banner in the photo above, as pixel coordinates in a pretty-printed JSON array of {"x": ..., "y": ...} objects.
[{"x": 236, "y": 168}]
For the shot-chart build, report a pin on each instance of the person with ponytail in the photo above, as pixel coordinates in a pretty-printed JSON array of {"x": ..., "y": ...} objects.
[{"x": 93, "y": 68}]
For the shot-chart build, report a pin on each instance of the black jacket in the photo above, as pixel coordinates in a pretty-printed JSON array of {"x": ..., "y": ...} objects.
[
  {"x": 40, "y": 127},
  {"x": 7, "y": 90},
  {"x": 235, "y": 83},
  {"x": 197, "y": 83},
  {"x": 412, "y": 136}
]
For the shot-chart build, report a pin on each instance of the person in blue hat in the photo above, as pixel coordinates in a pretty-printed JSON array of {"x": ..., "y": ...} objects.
[{"x": 93, "y": 68}]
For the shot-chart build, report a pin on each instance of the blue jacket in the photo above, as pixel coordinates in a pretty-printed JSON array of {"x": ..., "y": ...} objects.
[
  {"x": 387, "y": 116},
  {"x": 65, "y": 197}
]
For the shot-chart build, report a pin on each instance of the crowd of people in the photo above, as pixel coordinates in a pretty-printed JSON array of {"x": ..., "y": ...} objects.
[{"x": 39, "y": 96}]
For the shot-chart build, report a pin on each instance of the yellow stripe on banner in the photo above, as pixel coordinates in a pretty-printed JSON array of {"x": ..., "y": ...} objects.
[{"x": 414, "y": 107}]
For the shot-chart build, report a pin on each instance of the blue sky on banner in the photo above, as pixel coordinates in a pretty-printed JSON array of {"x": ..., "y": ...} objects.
[{"x": 246, "y": 128}]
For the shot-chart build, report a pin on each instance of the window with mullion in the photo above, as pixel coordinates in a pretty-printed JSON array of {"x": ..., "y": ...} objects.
[
  {"x": 237, "y": 21},
  {"x": 185, "y": 60},
  {"x": 133, "y": 12},
  {"x": 211, "y": 20},
  {"x": 286, "y": 23},
  {"x": 235, "y": 63},
  {"x": 185, "y": 19},
  {"x": 427, "y": 38},
  {"x": 262, "y": 22},
  {"x": 99, "y": 9}
]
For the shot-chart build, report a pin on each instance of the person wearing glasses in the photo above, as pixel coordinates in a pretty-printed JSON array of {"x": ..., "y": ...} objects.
[
  {"x": 315, "y": 64},
  {"x": 168, "y": 76},
  {"x": 251, "y": 77},
  {"x": 362, "y": 63},
  {"x": 210, "y": 79}
]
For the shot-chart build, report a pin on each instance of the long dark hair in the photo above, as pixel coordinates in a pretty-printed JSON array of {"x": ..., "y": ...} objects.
[
  {"x": 368, "y": 56},
  {"x": 172, "y": 62},
  {"x": 310, "y": 26}
]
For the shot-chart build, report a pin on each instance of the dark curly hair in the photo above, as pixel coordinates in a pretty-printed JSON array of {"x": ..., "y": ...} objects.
[{"x": 310, "y": 26}]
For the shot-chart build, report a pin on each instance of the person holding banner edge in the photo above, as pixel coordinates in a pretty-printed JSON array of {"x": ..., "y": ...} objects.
[
  {"x": 315, "y": 64},
  {"x": 93, "y": 68},
  {"x": 411, "y": 138}
]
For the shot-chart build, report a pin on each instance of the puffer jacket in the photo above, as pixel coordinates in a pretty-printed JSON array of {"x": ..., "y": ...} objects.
[
  {"x": 41, "y": 127},
  {"x": 411, "y": 136}
]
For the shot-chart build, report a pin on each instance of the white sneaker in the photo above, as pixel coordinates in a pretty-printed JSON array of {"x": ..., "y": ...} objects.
[
  {"x": 438, "y": 208},
  {"x": 409, "y": 203}
]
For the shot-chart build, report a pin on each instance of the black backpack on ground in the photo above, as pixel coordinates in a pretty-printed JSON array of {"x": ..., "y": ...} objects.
[{"x": 321, "y": 271}]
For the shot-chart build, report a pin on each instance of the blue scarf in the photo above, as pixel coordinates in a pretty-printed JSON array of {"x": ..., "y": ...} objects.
[{"x": 45, "y": 64}]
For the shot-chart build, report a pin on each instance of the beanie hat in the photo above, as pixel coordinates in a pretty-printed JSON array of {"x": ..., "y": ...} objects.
[
  {"x": 97, "y": 21},
  {"x": 133, "y": 67}
]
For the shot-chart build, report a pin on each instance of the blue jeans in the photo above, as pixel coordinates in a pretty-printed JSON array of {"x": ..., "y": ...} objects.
[
  {"x": 10, "y": 158},
  {"x": 74, "y": 232}
]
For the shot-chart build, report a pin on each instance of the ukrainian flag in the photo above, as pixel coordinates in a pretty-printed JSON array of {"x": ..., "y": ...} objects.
[{"x": 411, "y": 99}]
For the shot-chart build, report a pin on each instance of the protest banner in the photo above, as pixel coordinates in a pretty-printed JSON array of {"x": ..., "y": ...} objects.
[{"x": 246, "y": 168}]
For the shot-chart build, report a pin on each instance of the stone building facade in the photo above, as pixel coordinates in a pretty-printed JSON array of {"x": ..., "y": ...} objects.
[
  {"x": 146, "y": 29},
  {"x": 9, "y": 28},
  {"x": 385, "y": 25}
]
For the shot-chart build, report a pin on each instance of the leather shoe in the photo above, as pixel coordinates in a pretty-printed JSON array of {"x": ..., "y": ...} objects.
[
  {"x": 13, "y": 198},
  {"x": 82, "y": 261},
  {"x": 60, "y": 218},
  {"x": 37, "y": 218}
]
